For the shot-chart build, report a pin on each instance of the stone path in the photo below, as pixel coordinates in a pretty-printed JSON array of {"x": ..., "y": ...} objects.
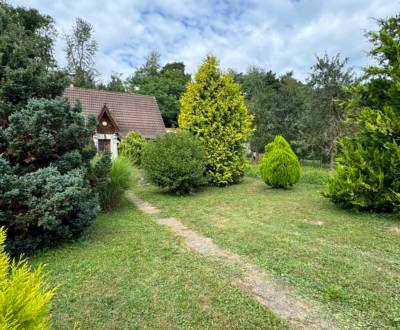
[{"x": 298, "y": 313}]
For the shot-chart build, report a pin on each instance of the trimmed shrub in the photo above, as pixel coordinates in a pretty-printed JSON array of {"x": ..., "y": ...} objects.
[
  {"x": 279, "y": 167},
  {"x": 24, "y": 294},
  {"x": 117, "y": 182},
  {"x": 44, "y": 207},
  {"x": 131, "y": 147},
  {"x": 175, "y": 162},
  {"x": 213, "y": 110}
]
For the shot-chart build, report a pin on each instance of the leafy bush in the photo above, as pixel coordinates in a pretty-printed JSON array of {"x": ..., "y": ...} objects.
[
  {"x": 118, "y": 180},
  {"x": 131, "y": 147},
  {"x": 24, "y": 294},
  {"x": 213, "y": 110},
  {"x": 44, "y": 207},
  {"x": 279, "y": 166},
  {"x": 175, "y": 161}
]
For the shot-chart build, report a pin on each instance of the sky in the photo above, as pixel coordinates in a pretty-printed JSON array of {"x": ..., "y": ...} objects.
[{"x": 277, "y": 35}]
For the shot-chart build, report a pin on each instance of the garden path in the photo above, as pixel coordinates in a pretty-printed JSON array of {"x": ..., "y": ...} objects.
[{"x": 279, "y": 298}]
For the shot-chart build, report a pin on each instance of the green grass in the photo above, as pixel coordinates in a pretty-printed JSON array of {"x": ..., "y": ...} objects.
[
  {"x": 129, "y": 272},
  {"x": 347, "y": 262}
]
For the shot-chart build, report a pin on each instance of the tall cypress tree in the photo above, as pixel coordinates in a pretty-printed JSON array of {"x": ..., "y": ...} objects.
[
  {"x": 368, "y": 169},
  {"x": 213, "y": 109}
]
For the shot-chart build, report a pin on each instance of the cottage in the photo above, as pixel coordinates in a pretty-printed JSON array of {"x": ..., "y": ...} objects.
[{"x": 117, "y": 114}]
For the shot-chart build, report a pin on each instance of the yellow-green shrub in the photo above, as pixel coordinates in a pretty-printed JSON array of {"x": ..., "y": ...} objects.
[
  {"x": 131, "y": 147},
  {"x": 279, "y": 167},
  {"x": 213, "y": 110},
  {"x": 24, "y": 295}
]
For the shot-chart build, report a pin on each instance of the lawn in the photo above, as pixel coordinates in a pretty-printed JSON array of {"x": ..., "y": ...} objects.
[
  {"x": 129, "y": 272},
  {"x": 346, "y": 262}
]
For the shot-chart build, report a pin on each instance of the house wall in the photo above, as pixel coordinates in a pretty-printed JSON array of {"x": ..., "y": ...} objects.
[{"x": 113, "y": 142}]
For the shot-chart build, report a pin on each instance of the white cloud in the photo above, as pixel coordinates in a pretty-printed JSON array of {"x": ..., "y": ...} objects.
[{"x": 280, "y": 35}]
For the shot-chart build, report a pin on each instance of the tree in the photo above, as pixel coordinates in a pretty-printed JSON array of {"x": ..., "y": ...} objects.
[
  {"x": 81, "y": 48},
  {"x": 278, "y": 105},
  {"x": 368, "y": 168},
  {"x": 166, "y": 83},
  {"x": 325, "y": 120},
  {"x": 45, "y": 145},
  {"x": 213, "y": 109},
  {"x": 27, "y": 67},
  {"x": 116, "y": 84}
]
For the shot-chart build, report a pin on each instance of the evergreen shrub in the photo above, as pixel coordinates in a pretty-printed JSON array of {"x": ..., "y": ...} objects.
[
  {"x": 279, "y": 167},
  {"x": 24, "y": 294}
]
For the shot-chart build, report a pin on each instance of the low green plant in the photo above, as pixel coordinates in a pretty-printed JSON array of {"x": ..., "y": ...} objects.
[
  {"x": 175, "y": 162},
  {"x": 119, "y": 179},
  {"x": 315, "y": 176},
  {"x": 334, "y": 292},
  {"x": 279, "y": 167},
  {"x": 131, "y": 147},
  {"x": 24, "y": 294}
]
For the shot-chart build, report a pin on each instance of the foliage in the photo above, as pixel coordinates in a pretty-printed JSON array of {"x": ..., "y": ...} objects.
[
  {"x": 175, "y": 162},
  {"x": 166, "y": 83},
  {"x": 117, "y": 182},
  {"x": 324, "y": 120},
  {"x": 45, "y": 144},
  {"x": 48, "y": 131},
  {"x": 44, "y": 207},
  {"x": 277, "y": 103},
  {"x": 368, "y": 168},
  {"x": 213, "y": 109},
  {"x": 99, "y": 169},
  {"x": 279, "y": 167},
  {"x": 24, "y": 294},
  {"x": 131, "y": 147},
  {"x": 27, "y": 65},
  {"x": 81, "y": 48},
  {"x": 116, "y": 84}
]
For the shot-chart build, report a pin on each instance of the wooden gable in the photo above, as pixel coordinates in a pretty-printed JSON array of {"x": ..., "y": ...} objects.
[{"x": 106, "y": 123}]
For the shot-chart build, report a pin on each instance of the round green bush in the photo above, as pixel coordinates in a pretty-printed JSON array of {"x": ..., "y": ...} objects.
[
  {"x": 175, "y": 162},
  {"x": 131, "y": 147},
  {"x": 279, "y": 167}
]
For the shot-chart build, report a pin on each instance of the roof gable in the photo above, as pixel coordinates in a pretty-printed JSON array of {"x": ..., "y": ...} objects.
[{"x": 105, "y": 112}]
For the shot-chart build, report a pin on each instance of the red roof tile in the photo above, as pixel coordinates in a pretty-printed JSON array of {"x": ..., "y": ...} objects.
[{"x": 131, "y": 112}]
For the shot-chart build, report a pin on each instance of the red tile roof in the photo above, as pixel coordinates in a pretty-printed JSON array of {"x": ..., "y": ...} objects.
[{"x": 130, "y": 111}]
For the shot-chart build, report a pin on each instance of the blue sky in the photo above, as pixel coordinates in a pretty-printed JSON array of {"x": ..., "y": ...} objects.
[{"x": 280, "y": 35}]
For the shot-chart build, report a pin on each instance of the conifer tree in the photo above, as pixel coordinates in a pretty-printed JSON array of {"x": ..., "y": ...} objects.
[
  {"x": 368, "y": 169},
  {"x": 213, "y": 109},
  {"x": 45, "y": 148}
]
